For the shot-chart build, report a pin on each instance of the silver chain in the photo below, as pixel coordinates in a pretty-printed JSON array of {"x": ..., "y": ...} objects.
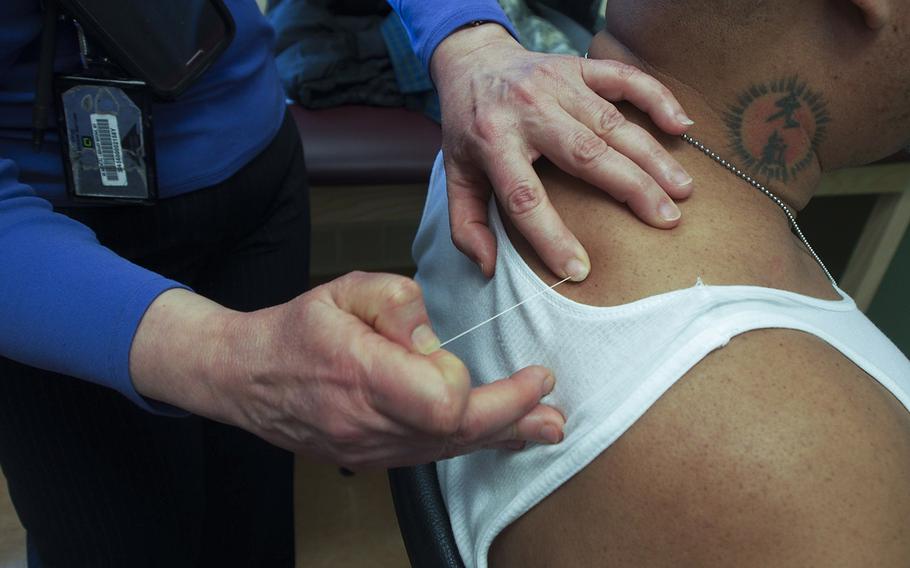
[{"x": 751, "y": 181}]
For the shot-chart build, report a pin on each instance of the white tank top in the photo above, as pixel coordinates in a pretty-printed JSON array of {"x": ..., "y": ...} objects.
[{"x": 612, "y": 363}]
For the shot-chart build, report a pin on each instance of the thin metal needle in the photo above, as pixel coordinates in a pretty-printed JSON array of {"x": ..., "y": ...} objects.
[{"x": 500, "y": 314}]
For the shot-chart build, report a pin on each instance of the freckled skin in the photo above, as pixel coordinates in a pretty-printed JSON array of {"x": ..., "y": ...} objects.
[{"x": 775, "y": 450}]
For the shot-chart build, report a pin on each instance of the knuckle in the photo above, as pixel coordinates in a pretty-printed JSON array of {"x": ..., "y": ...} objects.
[
  {"x": 486, "y": 127},
  {"x": 355, "y": 276},
  {"x": 609, "y": 120},
  {"x": 548, "y": 69},
  {"x": 462, "y": 242},
  {"x": 458, "y": 229},
  {"x": 454, "y": 445},
  {"x": 447, "y": 417},
  {"x": 341, "y": 433},
  {"x": 625, "y": 71},
  {"x": 468, "y": 433},
  {"x": 524, "y": 92},
  {"x": 400, "y": 291},
  {"x": 355, "y": 280},
  {"x": 587, "y": 149},
  {"x": 523, "y": 198},
  {"x": 448, "y": 422}
]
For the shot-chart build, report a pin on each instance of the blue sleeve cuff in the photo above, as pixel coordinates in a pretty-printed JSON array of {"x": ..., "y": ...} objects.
[
  {"x": 430, "y": 22},
  {"x": 68, "y": 304},
  {"x": 134, "y": 309}
]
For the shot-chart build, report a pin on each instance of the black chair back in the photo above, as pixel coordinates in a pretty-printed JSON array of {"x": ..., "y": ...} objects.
[{"x": 423, "y": 518}]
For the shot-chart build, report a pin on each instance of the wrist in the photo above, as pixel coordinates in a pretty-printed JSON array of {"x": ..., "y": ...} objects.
[
  {"x": 184, "y": 353},
  {"x": 465, "y": 42}
]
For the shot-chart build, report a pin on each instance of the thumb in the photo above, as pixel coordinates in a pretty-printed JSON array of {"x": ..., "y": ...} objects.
[
  {"x": 392, "y": 305},
  {"x": 430, "y": 393}
]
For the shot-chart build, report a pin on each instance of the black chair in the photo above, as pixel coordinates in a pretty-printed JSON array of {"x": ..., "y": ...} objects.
[{"x": 423, "y": 518}]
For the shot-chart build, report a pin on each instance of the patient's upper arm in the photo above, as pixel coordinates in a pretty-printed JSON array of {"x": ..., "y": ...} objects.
[{"x": 773, "y": 451}]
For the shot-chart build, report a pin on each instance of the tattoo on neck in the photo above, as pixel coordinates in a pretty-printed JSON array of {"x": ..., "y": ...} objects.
[{"x": 775, "y": 128}]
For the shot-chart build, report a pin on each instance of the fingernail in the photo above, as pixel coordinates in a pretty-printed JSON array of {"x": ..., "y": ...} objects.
[
  {"x": 577, "y": 269},
  {"x": 549, "y": 383},
  {"x": 424, "y": 340},
  {"x": 681, "y": 178},
  {"x": 551, "y": 434},
  {"x": 684, "y": 120},
  {"x": 669, "y": 211}
]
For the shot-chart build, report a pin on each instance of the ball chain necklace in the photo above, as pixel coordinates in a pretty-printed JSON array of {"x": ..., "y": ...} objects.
[
  {"x": 732, "y": 169},
  {"x": 757, "y": 185},
  {"x": 751, "y": 181},
  {"x": 735, "y": 171}
]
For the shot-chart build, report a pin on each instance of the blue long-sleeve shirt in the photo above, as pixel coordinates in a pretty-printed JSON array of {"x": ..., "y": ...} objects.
[
  {"x": 67, "y": 303},
  {"x": 431, "y": 21}
]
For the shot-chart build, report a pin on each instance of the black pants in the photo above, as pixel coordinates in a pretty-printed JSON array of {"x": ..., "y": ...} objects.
[{"x": 99, "y": 482}]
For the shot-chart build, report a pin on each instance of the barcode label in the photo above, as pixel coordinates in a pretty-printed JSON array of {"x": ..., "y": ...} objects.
[{"x": 107, "y": 147}]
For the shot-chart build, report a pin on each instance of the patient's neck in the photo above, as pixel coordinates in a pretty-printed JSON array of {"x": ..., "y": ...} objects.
[
  {"x": 769, "y": 126},
  {"x": 730, "y": 232}
]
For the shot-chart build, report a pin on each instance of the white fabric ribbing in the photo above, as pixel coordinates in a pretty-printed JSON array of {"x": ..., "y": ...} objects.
[{"x": 612, "y": 363}]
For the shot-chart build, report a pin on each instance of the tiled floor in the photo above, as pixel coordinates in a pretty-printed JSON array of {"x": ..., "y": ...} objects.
[{"x": 342, "y": 522}]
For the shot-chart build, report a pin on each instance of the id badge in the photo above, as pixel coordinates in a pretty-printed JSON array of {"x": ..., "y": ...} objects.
[{"x": 106, "y": 139}]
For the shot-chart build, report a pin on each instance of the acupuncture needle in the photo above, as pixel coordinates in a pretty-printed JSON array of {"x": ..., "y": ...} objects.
[{"x": 504, "y": 312}]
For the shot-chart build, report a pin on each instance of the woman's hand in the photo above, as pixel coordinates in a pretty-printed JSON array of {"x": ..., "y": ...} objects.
[
  {"x": 503, "y": 107},
  {"x": 349, "y": 372}
]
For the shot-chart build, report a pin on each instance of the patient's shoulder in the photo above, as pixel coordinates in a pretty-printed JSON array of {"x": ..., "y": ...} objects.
[{"x": 775, "y": 450}]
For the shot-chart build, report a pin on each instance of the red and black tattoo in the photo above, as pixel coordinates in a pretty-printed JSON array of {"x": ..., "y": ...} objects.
[{"x": 775, "y": 128}]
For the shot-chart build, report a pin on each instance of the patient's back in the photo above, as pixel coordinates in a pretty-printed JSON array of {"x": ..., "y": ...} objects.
[
  {"x": 758, "y": 419},
  {"x": 775, "y": 450},
  {"x": 690, "y": 438}
]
